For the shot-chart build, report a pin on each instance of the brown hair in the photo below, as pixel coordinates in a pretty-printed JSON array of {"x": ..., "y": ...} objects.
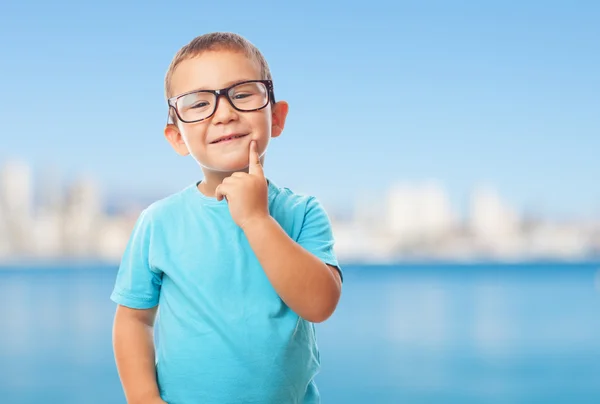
[{"x": 217, "y": 41}]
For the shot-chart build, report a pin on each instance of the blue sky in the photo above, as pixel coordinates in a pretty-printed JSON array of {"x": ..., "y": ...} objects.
[{"x": 504, "y": 93}]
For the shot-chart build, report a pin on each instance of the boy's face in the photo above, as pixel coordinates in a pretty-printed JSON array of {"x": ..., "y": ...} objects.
[{"x": 213, "y": 70}]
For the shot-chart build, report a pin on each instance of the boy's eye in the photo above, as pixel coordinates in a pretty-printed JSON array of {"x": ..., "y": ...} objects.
[
  {"x": 197, "y": 105},
  {"x": 240, "y": 96}
]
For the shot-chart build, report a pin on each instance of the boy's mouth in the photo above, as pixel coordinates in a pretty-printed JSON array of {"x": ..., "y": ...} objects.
[{"x": 228, "y": 138}]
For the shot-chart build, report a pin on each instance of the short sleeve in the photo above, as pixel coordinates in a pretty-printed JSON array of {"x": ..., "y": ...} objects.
[
  {"x": 138, "y": 284},
  {"x": 316, "y": 234}
]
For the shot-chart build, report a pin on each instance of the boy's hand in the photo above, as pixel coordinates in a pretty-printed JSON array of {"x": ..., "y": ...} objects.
[{"x": 246, "y": 193}]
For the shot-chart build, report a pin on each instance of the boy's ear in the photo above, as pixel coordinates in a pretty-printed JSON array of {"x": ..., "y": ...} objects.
[
  {"x": 174, "y": 137},
  {"x": 279, "y": 113}
]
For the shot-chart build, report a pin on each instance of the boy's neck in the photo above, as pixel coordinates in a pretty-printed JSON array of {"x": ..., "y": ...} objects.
[
  {"x": 212, "y": 179},
  {"x": 210, "y": 182}
]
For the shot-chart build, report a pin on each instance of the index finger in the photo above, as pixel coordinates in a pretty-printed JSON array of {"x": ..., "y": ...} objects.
[{"x": 255, "y": 166}]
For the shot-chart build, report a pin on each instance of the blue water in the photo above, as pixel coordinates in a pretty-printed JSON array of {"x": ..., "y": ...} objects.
[{"x": 402, "y": 334}]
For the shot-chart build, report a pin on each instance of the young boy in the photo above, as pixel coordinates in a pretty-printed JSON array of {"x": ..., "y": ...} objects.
[{"x": 240, "y": 268}]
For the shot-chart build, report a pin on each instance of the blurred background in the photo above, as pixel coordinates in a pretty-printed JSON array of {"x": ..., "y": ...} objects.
[{"x": 454, "y": 145}]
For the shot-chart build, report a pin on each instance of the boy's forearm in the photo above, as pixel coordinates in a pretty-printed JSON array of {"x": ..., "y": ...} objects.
[
  {"x": 306, "y": 284},
  {"x": 133, "y": 345}
]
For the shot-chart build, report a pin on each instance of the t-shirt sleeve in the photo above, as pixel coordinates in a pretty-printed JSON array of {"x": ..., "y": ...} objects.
[
  {"x": 316, "y": 234},
  {"x": 138, "y": 284}
]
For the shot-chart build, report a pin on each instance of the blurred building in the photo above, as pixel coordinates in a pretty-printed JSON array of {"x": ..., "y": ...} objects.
[
  {"x": 494, "y": 225},
  {"x": 565, "y": 241},
  {"x": 357, "y": 241},
  {"x": 16, "y": 203},
  {"x": 419, "y": 213},
  {"x": 83, "y": 216},
  {"x": 48, "y": 229},
  {"x": 5, "y": 242},
  {"x": 113, "y": 235}
]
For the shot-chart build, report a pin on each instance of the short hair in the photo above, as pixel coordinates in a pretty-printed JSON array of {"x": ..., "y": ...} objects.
[{"x": 215, "y": 41}]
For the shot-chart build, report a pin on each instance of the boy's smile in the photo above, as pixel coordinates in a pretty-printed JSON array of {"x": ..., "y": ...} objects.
[
  {"x": 225, "y": 139},
  {"x": 229, "y": 138},
  {"x": 219, "y": 143}
]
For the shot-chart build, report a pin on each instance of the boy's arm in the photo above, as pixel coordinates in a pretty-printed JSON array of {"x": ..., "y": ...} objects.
[
  {"x": 133, "y": 344},
  {"x": 305, "y": 283}
]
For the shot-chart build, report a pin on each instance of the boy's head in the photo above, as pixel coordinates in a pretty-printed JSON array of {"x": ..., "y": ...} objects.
[{"x": 216, "y": 128}]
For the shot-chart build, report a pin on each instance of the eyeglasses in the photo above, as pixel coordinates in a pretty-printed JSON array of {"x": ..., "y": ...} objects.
[{"x": 246, "y": 96}]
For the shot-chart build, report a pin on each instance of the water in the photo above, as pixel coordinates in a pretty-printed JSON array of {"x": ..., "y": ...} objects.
[{"x": 432, "y": 334}]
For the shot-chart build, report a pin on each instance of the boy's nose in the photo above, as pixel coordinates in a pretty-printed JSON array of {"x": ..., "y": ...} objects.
[{"x": 224, "y": 112}]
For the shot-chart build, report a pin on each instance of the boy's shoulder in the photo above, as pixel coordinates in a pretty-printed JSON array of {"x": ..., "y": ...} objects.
[
  {"x": 289, "y": 198},
  {"x": 293, "y": 208},
  {"x": 276, "y": 191}
]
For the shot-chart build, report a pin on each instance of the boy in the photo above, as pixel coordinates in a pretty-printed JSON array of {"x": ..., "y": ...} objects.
[{"x": 240, "y": 268}]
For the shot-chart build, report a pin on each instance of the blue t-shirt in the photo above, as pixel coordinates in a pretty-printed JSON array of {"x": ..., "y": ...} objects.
[{"x": 223, "y": 334}]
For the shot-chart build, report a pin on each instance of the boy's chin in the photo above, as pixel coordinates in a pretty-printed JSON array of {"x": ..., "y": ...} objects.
[
  {"x": 231, "y": 162},
  {"x": 225, "y": 166}
]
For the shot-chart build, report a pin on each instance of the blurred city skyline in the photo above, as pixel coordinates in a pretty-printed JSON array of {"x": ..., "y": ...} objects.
[
  {"x": 47, "y": 217},
  {"x": 506, "y": 94}
]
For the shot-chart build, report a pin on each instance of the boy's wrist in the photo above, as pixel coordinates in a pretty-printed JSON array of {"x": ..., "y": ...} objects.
[{"x": 153, "y": 399}]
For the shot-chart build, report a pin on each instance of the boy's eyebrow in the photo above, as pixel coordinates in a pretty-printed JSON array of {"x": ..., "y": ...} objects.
[{"x": 227, "y": 84}]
